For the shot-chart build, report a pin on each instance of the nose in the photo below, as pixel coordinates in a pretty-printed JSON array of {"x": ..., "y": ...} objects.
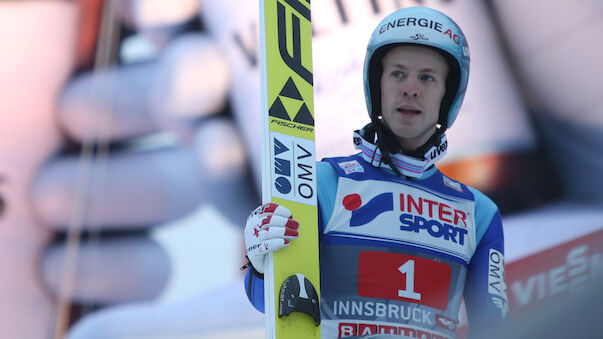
[{"x": 410, "y": 89}]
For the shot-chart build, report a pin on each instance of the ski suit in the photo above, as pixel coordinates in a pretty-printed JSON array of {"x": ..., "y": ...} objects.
[{"x": 397, "y": 254}]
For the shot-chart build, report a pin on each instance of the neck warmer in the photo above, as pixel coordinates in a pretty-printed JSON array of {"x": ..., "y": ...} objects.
[{"x": 407, "y": 165}]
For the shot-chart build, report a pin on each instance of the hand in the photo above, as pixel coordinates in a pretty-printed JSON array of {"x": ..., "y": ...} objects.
[
  {"x": 141, "y": 184},
  {"x": 269, "y": 228}
]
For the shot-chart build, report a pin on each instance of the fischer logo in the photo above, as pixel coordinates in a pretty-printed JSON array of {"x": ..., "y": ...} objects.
[
  {"x": 290, "y": 93},
  {"x": 418, "y": 215},
  {"x": 363, "y": 329},
  {"x": 290, "y": 41}
]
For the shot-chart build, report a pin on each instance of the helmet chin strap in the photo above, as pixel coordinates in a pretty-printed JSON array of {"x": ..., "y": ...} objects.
[{"x": 381, "y": 148}]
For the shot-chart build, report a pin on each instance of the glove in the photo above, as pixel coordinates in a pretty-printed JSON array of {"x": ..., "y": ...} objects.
[{"x": 268, "y": 229}]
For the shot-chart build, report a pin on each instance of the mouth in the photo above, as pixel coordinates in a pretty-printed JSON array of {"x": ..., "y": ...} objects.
[{"x": 408, "y": 110}]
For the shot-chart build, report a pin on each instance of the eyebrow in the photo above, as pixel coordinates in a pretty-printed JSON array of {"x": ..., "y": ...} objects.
[{"x": 422, "y": 70}]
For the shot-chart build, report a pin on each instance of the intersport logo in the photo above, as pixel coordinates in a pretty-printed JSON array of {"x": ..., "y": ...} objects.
[
  {"x": 417, "y": 214},
  {"x": 362, "y": 215}
]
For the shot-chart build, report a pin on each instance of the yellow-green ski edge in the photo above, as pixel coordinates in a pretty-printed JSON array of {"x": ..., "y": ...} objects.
[{"x": 288, "y": 153}]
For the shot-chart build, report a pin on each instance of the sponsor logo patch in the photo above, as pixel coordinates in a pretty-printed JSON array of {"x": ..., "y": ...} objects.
[
  {"x": 455, "y": 185},
  {"x": 437, "y": 218},
  {"x": 362, "y": 215},
  {"x": 350, "y": 167},
  {"x": 496, "y": 281},
  {"x": 447, "y": 323},
  {"x": 293, "y": 168},
  {"x": 363, "y": 329}
]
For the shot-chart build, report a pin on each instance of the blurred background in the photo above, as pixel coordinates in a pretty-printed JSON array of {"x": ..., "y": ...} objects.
[{"x": 130, "y": 146}]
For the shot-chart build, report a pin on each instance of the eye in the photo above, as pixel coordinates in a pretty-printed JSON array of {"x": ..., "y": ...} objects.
[
  {"x": 397, "y": 74},
  {"x": 427, "y": 77}
]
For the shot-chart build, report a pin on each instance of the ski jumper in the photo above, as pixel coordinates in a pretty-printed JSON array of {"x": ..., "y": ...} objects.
[{"x": 397, "y": 254}]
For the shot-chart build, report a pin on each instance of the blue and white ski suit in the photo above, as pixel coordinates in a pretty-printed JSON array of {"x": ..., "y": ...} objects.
[{"x": 397, "y": 254}]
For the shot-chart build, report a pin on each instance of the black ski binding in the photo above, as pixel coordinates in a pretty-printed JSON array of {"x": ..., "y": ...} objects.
[{"x": 299, "y": 295}]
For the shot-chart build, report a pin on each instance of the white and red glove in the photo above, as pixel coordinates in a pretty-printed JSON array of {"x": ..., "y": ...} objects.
[{"x": 268, "y": 228}]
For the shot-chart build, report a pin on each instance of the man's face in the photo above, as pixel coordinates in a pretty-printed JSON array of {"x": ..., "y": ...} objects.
[{"x": 412, "y": 87}]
